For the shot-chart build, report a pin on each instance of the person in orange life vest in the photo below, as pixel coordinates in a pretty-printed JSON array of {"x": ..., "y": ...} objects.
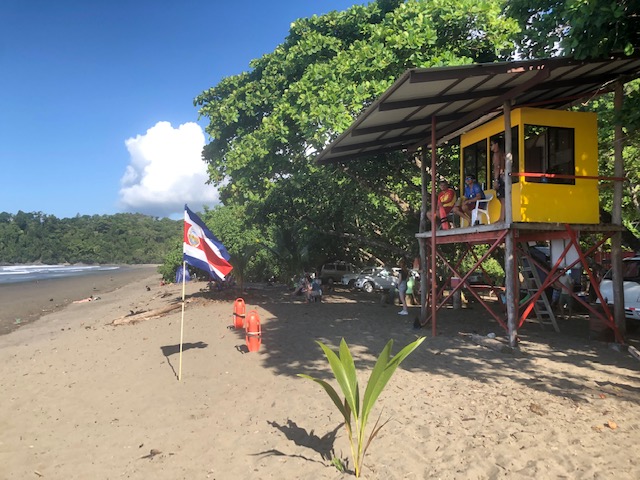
[{"x": 446, "y": 201}]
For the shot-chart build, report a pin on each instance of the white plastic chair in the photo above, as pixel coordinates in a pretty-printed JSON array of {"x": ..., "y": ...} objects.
[{"x": 481, "y": 211}]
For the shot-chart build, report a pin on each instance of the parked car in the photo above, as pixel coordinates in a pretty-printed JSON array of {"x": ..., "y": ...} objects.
[
  {"x": 349, "y": 279},
  {"x": 331, "y": 273},
  {"x": 631, "y": 287},
  {"x": 380, "y": 279}
]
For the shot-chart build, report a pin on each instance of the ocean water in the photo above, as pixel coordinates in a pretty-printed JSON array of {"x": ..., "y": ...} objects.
[{"x": 28, "y": 273}]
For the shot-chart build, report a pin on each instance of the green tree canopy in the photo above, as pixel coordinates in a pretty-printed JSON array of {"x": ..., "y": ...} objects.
[{"x": 267, "y": 124}]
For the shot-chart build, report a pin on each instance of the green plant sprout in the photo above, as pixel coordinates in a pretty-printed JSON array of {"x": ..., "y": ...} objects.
[
  {"x": 336, "y": 462},
  {"x": 344, "y": 371}
]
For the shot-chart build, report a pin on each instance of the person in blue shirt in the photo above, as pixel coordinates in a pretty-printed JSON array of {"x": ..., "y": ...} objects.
[{"x": 472, "y": 193}]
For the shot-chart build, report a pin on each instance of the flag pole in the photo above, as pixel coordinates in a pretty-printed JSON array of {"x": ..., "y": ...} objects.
[{"x": 184, "y": 286}]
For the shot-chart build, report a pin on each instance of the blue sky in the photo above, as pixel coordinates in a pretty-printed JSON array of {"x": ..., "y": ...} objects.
[{"x": 96, "y": 97}]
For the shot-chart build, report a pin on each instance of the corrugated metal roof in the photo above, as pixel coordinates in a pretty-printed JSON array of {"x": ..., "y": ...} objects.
[{"x": 465, "y": 96}]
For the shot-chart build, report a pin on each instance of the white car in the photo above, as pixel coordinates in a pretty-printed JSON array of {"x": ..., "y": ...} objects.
[
  {"x": 381, "y": 279},
  {"x": 631, "y": 287},
  {"x": 349, "y": 279}
]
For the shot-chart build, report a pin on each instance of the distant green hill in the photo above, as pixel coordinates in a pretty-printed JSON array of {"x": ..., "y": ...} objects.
[{"x": 124, "y": 238}]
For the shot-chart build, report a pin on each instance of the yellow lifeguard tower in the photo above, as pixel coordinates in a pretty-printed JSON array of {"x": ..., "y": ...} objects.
[
  {"x": 555, "y": 165},
  {"x": 551, "y": 172}
]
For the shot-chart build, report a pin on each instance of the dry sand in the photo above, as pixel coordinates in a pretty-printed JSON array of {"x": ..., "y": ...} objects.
[{"x": 82, "y": 399}]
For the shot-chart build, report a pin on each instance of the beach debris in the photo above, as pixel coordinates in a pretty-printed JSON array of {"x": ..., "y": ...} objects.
[
  {"x": 138, "y": 317},
  {"x": 152, "y": 453},
  {"x": 537, "y": 409},
  {"x": 611, "y": 424},
  {"x": 38, "y": 473},
  {"x": 148, "y": 288},
  {"x": 492, "y": 343},
  {"x": 18, "y": 321}
]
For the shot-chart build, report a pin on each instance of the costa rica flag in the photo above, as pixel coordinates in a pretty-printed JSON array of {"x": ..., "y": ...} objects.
[{"x": 202, "y": 249}]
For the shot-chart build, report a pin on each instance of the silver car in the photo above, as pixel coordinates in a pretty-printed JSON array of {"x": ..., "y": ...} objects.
[
  {"x": 380, "y": 279},
  {"x": 349, "y": 279}
]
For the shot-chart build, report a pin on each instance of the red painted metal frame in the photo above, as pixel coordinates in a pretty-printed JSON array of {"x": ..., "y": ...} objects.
[
  {"x": 440, "y": 300},
  {"x": 568, "y": 177},
  {"x": 495, "y": 238},
  {"x": 556, "y": 272}
]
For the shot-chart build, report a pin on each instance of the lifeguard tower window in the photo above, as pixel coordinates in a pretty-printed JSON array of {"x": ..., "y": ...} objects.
[
  {"x": 475, "y": 162},
  {"x": 514, "y": 152},
  {"x": 549, "y": 150}
]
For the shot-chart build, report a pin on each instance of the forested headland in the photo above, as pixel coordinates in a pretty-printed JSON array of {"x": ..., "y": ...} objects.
[{"x": 123, "y": 238}]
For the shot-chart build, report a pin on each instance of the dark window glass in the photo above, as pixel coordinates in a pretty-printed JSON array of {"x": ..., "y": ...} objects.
[
  {"x": 514, "y": 152},
  {"x": 474, "y": 162},
  {"x": 549, "y": 150}
]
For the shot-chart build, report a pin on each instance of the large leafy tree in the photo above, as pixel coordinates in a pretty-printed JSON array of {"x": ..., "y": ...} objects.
[
  {"x": 592, "y": 28},
  {"x": 267, "y": 124},
  {"x": 580, "y": 28}
]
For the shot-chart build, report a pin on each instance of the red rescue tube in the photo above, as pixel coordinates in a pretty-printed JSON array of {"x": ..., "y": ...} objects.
[
  {"x": 238, "y": 313},
  {"x": 253, "y": 331}
]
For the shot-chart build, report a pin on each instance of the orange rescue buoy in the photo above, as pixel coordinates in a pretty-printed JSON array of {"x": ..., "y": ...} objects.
[
  {"x": 253, "y": 331},
  {"x": 238, "y": 313}
]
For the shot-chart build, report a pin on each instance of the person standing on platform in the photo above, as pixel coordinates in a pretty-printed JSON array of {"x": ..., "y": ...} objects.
[{"x": 498, "y": 162}]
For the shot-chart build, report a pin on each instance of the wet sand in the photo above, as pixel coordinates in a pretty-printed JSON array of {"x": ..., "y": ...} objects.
[{"x": 24, "y": 302}]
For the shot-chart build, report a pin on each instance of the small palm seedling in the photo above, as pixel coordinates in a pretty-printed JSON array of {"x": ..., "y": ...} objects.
[{"x": 354, "y": 412}]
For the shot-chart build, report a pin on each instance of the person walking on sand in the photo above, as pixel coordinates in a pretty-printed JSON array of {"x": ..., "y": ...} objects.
[{"x": 402, "y": 287}]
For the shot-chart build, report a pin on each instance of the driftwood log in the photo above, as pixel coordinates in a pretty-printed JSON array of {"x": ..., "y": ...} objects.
[{"x": 138, "y": 317}]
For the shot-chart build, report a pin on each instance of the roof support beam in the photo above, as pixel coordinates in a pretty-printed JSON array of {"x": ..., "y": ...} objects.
[
  {"x": 539, "y": 77},
  {"x": 422, "y": 122},
  {"x": 377, "y": 143}
]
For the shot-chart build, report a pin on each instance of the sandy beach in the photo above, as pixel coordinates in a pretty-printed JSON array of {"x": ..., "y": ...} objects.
[{"x": 83, "y": 398}]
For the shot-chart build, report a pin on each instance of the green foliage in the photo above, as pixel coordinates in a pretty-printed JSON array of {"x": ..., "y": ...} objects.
[
  {"x": 354, "y": 411},
  {"x": 580, "y": 28},
  {"x": 172, "y": 261},
  {"x": 267, "y": 124},
  {"x": 117, "y": 239}
]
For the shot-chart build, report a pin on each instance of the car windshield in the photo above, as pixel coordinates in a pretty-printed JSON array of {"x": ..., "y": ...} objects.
[{"x": 630, "y": 271}]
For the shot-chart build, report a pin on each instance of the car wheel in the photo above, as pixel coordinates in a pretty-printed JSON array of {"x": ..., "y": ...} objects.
[
  {"x": 330, "y": 282},
  {"x": 352, "y": 284},
  {"x": 368, "y": 287}
]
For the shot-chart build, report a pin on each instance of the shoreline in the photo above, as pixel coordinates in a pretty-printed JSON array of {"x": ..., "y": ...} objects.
[{"x": 25, "y": 302}]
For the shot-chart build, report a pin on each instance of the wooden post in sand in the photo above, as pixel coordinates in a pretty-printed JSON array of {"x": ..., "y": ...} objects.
[{"x": 184, "y": 286}]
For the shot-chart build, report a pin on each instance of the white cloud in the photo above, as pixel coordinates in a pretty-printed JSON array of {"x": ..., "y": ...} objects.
[{"x": 166, "y": 171}]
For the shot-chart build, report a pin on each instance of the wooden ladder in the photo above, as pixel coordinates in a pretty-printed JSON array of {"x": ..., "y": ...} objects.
[{"x": 532, "y": 283}]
